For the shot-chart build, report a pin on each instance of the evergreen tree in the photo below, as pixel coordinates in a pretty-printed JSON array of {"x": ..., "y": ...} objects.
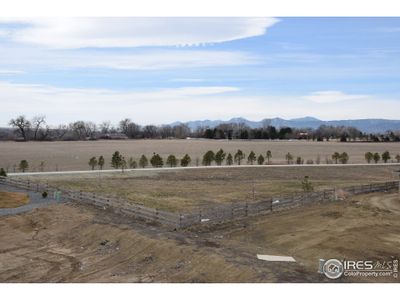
[
  {"x": 185, "y": 161},
  {"x": 3, "y": 173},
  {"x": 260, "y": 159},
  {"x": 93, "y": 162},
  {"x": 251, "y": 158},
  {"x": 386, "y": 156},
  {"x": 377, "y": 157},
  {"x": 132, "y": 163},
  {"x": 208, "y": 158},
  {"x": 289, "y": 158},
  {"x": 269, "y": 156},
  {"x": 368, "y": 156},
  {"x": 116, "y": 160},
  {"x": 172, "y": 161},
  {"x": 100, "y": 162},
  {"x": 239, "y": 156},
  {"x": 219, "y": 157},
  {"x": 156, "y": 161},
  {"x": 344, "y": 158},
  {"x": 143, "y": 162},
  {"x": 229, "y": 159}
]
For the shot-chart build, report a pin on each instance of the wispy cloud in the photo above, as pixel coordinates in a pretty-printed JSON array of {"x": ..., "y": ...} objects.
[
  {"x": 333, "y": 96},
  {"x": 159, "y": 106},
  {"x": 135, "y": 32},
  {"x": 11, "y": 72}
]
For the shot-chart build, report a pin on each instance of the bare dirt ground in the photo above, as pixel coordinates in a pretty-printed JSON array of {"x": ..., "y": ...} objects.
[
  {"x": 64, "y": 156},
  {"x": 190, "y": 189},
  {"x": 74, "y": 243}
]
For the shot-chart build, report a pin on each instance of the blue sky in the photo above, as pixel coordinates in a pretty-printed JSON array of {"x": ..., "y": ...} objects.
[{"x": 160, "y": 70}]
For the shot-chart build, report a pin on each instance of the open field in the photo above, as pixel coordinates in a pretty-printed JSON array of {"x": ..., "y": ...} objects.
[
  {"x": 65, "y": 156},
  {"x": 10, "y": 199},
  {"x": 74, "y": 243},
  {"x": 185, "y": 190}
]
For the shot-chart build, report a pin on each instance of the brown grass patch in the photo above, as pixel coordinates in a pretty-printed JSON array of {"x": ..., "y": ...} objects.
[{"x": 11, "y": 199}]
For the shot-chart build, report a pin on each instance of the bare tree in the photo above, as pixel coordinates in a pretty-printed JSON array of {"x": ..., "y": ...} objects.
[
  {"x": 37, "y": 123},
  {"x": 22, "y": 126}
]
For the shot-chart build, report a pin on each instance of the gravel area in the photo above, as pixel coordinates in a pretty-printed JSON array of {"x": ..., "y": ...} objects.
[{"x": 36, "y": 201}]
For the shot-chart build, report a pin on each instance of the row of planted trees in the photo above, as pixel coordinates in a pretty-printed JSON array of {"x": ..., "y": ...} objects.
[
  {"x": 118, "y": 161},
  {"x": 376, "y": 157}
]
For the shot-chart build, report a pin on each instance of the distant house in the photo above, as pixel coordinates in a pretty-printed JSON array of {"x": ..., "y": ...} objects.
[
  {"x": 114, "y": 136},
  {"x": 302, "y": 135}
]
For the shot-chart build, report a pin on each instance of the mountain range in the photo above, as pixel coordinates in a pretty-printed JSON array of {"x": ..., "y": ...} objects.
[{"x": 364, "y": 125}]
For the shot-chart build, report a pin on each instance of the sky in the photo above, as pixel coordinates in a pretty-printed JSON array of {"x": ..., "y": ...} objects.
[{"x": 162, "y": 70}]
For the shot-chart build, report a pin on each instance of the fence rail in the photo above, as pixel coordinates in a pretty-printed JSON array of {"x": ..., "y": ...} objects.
[{"x": 216, "y": 214}]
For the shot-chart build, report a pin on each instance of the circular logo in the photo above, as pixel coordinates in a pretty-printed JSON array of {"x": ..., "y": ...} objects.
[{"x": 333, "y": 268}]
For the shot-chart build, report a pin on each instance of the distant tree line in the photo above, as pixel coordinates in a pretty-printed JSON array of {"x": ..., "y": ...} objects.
[{"x": 37, "y": 129}]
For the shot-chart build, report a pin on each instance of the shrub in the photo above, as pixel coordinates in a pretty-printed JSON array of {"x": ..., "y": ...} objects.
[
  {"x": 23, "y": 165},
  {"x": 307, "y": 185},
  {"x": 3, "y": 172},
  {"x": 44, "y": 194}
]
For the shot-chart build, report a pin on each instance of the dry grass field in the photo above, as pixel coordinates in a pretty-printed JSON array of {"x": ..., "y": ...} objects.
[
  {"x": 185, "y": 190},
  {"x": 10, "y": 200},
  {"x": 65, "y": 156},
  {"x": 74, "y": 243}
]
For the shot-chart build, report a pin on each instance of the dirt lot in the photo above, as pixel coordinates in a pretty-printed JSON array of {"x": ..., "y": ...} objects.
[
  {"x": 71, "y": 243},
  {"x": 64, "y": 156},
  {"x": 187, "y": 190}
]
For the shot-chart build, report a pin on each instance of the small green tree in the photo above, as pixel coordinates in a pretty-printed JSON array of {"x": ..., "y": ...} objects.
[
  {"x": 369, "y": 156},
  {"x": 344, "y": 158},
  {"x": 219, "y": 157},
  {"x": 251, "y": 158},
  {"x": 172, "y": 161},
  {"x": 132, "y": 163},
  {"x": 239, "y": 156},
  {"x": 386, "y": 156},
  {"x": 23, "y": 165},
  {"x": 306, "y": 184},
  {"x": 143, "y": 161},
  {"x": 268, "y": 156},
  {"x": 377, "y": 157},
  {"x": 185, "y": 161},
  {"x": 398, "y": 158},
  {"x": 260, "y": 159},
  {"x": 208, "y": 158},
  {"x": 3, "y": 173},
  {"x": 299, "y": 160},
  {"x": 335, "y": 157},
  {"x": 156, "y": 161},
  {"x": 93, "y": 162},
  {"x": 229, "y": 159},
  {"x": 289, "y": 158},
  {"x": 100, "y": 162},
  {"x": 116, "y": 160}
]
